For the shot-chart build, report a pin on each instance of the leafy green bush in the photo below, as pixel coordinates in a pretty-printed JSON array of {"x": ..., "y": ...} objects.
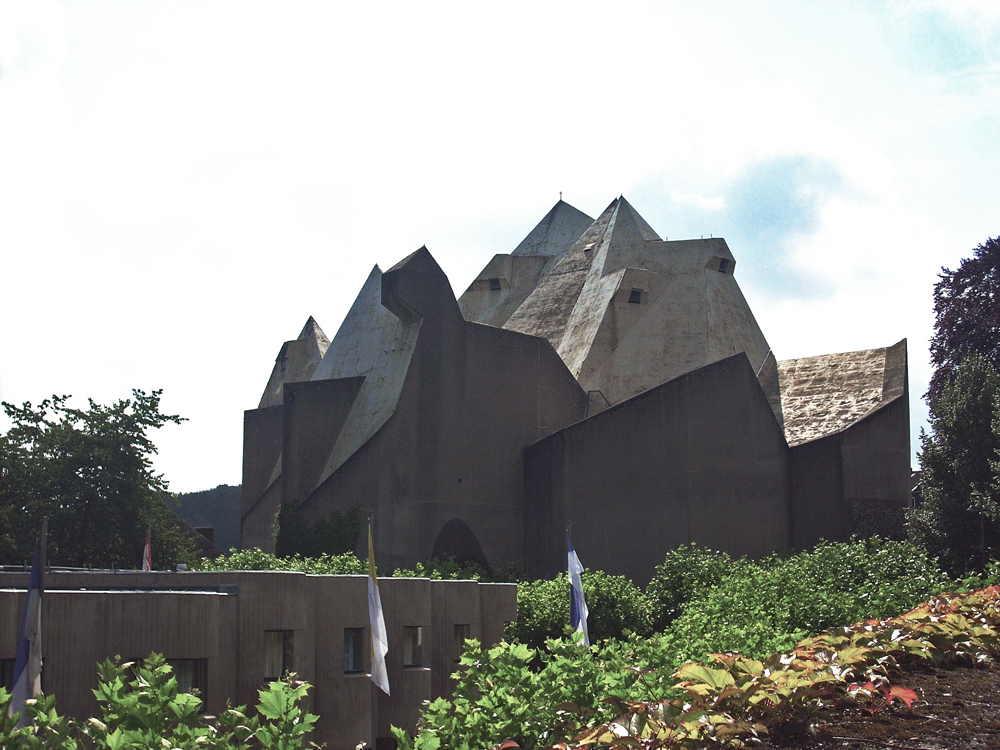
[
  {"x": 47, "y": 729},
  {"x": 148, "y": 711},
  {"x": 254, "y": 559},
  {"x": 534, "y": 697},
  {"x": 766, "y": 606},
  {"x": 685, "y": 573},
  {"x": 450, "y": 569},
  {"x": 617, "y": 607}
]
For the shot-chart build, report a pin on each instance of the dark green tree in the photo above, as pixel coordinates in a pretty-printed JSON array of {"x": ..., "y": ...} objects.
[
  {"x": 337, "y": 533},
  {"x": 967, "y": 314},
  {"x": 956, "y": 520},
  {"x": 89, "y": 471}
]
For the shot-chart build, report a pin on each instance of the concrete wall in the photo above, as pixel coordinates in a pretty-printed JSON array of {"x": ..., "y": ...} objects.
[
  {"x": 473, "y": 397},
  {"x": 857, "y": 479},
  {"x": 816, "y": 488},
  {"x": 222, "y": 618},
  {"x": 262, "y": 436},
  {"x": 698, "y": 459}
]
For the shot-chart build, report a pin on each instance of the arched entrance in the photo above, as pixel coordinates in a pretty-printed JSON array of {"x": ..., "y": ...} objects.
[{"x": 457, "y": 540}]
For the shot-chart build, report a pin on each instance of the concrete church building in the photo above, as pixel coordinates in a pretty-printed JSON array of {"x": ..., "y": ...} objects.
[{"x": 597, "y": 375}]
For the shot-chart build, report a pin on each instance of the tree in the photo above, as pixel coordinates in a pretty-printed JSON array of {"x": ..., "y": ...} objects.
[
  {"x": 959, "y": 469},
  {"x": 967, "y": 314},
  {"x": 89, "y": 471}
]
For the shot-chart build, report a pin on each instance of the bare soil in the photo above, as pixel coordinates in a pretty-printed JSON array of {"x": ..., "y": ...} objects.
[{"x": 959, "y": 707}]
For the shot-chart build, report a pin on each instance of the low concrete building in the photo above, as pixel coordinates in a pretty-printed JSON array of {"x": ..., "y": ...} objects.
[
  {"x": 598, "y": 375},
  {"x": 228, "y": 634}
]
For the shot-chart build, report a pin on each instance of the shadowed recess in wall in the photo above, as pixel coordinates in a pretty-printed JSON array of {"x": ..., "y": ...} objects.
[
  {"x": 456, "y": 540},
  {"x": 333, "y": 535}
]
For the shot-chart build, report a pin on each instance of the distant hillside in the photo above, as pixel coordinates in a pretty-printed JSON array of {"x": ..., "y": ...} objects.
[{"x": 218, "y": 508}]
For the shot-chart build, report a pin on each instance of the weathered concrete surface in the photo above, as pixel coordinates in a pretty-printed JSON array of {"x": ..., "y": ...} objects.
[
  {"x": 374, "y": 344},
  {"x": 556, "y": 232},
  {"x": 852, "y": 478},
  {"x": 419, "y": 416},
  {"x": 501, "y": 288},
  {"x": 824, "y": 394},
  {"x": 699, "y": 459},
  {"x": 422, "y": 416},
  {"x": 685, "y": 320},
  {"x": 625, "y": 310},
  {"x": 260, "y": 494},
  {"x": 295, "y": 362},
  {"x": 221, "y": 619}
]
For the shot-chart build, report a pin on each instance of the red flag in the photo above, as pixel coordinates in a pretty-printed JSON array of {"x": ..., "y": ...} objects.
[{"x": 147, "y": 554}]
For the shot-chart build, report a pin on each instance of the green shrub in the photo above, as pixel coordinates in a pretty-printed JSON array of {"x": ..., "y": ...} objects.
[
  {"x": 534, "y": 697},
  {"x": 254, "y": 559},
  {"x": 762, "y": 607},
  {"x": 450, "y": 569},
  {"x": 46, "y": 728},
  {"x": 146, "y": 710},
  {"x": 616, "y": 605},
  {"x": 685, "y": 573}
]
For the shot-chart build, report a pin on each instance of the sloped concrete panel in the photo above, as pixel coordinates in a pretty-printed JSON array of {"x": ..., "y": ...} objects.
[
  {"x": 699, "y": 459},
  {"x": 296, "y": 362}
]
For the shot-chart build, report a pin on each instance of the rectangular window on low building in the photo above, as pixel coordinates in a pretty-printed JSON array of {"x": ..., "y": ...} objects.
[
  {"x": 494, "y": 285},
  {"x": 191, "y": 675},
  {"x": 635, "y": 297},
  {"x": 279, "y": 647},
  {"x": 413, "y": 636},
  {"x": 462, "y": 634},
  {"x": 354, "y": 650},
  {"x": 7, "y": 673},
  {"x": 723, "y": 265}
]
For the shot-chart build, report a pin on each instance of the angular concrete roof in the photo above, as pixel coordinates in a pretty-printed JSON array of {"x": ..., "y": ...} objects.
[
  {"x": 627, "y": 311},
  {"x": 508, "y": 279},
  {"x": 374, "y": 344},
  {"x": 556, "y": 233},
  {"x": 547, "y": 310},
  {"x": 295, "y": 362},
  {"x": 825, "y": 394}
]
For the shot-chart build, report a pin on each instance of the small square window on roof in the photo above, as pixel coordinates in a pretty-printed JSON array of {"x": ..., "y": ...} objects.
[
  {"x": 723, "y": 265},
  {"x": 494, "y": 285},
  {"x": 635, "y": 297}
]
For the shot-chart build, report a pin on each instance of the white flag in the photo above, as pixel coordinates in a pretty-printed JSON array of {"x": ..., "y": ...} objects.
[
  {"x": 380, "y": 644},
  {"x": 147, "y": 554}
]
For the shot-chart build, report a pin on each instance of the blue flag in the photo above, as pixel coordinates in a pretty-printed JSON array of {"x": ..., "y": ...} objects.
[
  {"x": 28, "y": 664},
  {"x": 577, "y": 604}
]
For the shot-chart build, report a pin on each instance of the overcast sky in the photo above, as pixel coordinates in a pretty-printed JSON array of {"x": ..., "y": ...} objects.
[{"x": 183, "y": 183}]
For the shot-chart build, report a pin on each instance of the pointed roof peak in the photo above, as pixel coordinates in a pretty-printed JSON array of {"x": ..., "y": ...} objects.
[
  {"x": 312, "y": 332},
  {"x": 556, "y": 232},
  {"x": 310, "y": 329},
  {"x": 646, "y": 231},
  {"x": 419, "y": 261}
]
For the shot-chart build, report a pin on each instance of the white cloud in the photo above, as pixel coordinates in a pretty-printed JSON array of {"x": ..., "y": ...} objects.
[{"x": 715, "y": 203}]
